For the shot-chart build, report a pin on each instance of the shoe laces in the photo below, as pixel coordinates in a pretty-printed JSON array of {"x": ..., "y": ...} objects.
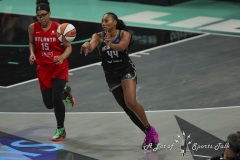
[
  {"x": 59, "y": 131},
  {"x": 69, "y": 102},
  {"x": 151, "y": 135}
]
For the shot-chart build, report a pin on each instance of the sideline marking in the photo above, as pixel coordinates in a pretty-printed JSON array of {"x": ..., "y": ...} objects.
[
  {"x": 195, "y": 155},
  {"x": 154, "y": 111}
]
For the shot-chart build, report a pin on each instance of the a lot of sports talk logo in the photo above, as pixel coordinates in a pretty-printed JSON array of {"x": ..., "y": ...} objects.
[
  {"x": 13, "y": 146},
  {"x": 185, "y": 145}
]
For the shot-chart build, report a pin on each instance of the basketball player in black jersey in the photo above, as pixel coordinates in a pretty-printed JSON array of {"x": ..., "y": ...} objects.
[{"x": 113, "y": 43}]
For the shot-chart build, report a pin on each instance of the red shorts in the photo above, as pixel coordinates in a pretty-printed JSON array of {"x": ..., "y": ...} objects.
[{"x": 46, "y": 73}]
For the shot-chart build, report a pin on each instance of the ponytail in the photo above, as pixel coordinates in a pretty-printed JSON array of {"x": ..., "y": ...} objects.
[{"x": 121, "y": 25}]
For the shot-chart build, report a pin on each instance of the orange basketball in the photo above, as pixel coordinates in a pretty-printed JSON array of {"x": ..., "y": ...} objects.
[{"x": 66, "y": 32}]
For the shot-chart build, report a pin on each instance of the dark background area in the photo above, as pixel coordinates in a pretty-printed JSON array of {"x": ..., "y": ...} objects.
[{"x": 14, "y": 51}]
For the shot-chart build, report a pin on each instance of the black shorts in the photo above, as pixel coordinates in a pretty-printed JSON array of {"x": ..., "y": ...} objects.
[{"x": 115, "y": 77}]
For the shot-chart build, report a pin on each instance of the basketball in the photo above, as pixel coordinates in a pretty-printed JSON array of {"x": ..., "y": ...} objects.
[{"x": 66, "y": 32}]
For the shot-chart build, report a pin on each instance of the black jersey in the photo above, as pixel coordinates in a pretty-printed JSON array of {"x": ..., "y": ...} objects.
[{"x": 113, "y": 59}]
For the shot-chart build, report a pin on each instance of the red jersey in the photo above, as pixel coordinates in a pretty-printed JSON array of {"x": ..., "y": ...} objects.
[{"x": 47, "y": 44}]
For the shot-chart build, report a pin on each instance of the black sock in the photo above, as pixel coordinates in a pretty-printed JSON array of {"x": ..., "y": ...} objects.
[
  {"x": 148, "y": 128},
  {"x": 58, "y": 127}
]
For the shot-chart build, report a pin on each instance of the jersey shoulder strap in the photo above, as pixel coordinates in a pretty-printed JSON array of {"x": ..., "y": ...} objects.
[{"x": 103, "y": 35}]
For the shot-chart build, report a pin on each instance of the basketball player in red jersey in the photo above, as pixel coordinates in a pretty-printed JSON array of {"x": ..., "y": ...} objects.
[
  {"x": 51, "y": 64},
  {"x": 113, "y": 43}
]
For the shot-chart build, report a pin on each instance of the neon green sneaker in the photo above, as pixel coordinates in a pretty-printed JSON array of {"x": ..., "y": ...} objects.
[
  {"x": 59, "y": 135},
  {"x": 68, "y": 97}
]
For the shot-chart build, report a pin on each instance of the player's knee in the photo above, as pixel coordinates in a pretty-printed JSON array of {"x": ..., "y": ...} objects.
[
  {"x": 49, "y": 105},
  {"x": 132, "y": 104}
]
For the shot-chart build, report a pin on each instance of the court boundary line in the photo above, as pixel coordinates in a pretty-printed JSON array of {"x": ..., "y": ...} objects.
[
  {"x": 99, "y": 63},
  {"x": 122, "y": 112}
]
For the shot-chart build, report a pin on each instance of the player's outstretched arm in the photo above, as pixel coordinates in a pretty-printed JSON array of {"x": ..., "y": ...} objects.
[{"x": 88, "y": 47}]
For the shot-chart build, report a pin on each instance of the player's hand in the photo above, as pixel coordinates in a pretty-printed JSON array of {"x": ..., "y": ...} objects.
[
  {"x": 58, "y": 60},
  {"x": 85, "y": 48},
  {"x": 107, "y": 38},
  {"x": 32, "y": 59}
]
